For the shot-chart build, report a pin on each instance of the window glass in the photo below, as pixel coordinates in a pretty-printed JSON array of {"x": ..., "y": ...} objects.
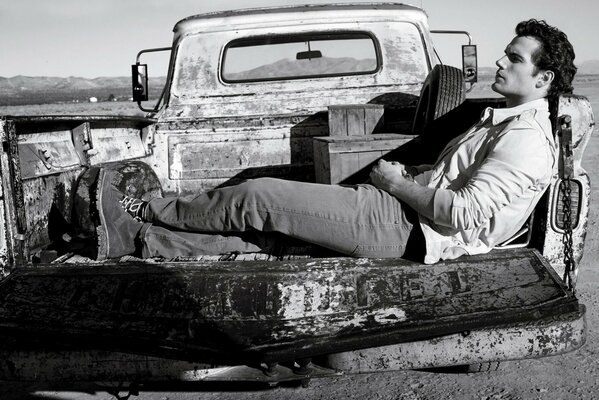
[{"x": 299, "y": 56}]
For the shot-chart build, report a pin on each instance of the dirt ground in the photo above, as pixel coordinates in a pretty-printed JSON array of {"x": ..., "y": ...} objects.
[{"x": 571, "y": 376}]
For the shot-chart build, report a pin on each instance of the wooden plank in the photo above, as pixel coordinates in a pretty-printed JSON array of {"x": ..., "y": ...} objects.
[
  {"x": 348, "y": 159},
  {"x": 337, "y": 121},
  {"x": 345, "y": 166},
  {"x": 367, "y": 138},
  {"x": 374, "y": 119},
  {"x": 367, "y": 159},
  {"x": 335, "y": 163},
  {"x": 355, "y": 121},
  {"x": 322, "y": 162},
  {"x": 358, "y": 146}
]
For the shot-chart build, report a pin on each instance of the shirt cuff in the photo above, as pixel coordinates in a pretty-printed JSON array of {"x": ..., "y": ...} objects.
[{"x": 442, "y": 203}]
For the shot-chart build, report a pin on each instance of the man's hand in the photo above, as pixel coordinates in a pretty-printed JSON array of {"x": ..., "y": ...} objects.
[
  {"x": 386, "y": 175},
  {"x": 393, "y": 178}
]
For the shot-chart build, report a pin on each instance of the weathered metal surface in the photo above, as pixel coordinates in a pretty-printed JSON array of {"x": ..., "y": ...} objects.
[
  {"x": 68, "y": 365},
  {"x": 45, "y": 123},
  {"x": 81, "y": 137},
  {"x": 195, "y": 156},
  {"x": 40, "y": 161},
  {"x": 275, "y": 310},
  {"x": 5, "y": 207},
  {"x": 544, "y": 338},
  {"x": 550, "y": 336},
  {"x": 36, "y": 363},
  {"x": 213, "y": 133},
  {"x": 110, "y": 144},
  {"x": 47, "y": 153},
  {"x": 3, "y": 231},
  {"x": 52, "y": 144},
  {"x": 198, "y": 43},
  {"x": 49, "y": 201},
  {"x": 579, "y": 108},
  {"x": 14, "y": 208}
]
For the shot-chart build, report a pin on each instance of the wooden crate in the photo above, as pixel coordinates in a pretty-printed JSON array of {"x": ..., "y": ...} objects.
[
  {"x": 355, "y": 119},
  {"x": 349, "y": 159}
]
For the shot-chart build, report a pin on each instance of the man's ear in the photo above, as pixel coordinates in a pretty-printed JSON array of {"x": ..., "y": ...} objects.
[{"x": 545, "y": 78}]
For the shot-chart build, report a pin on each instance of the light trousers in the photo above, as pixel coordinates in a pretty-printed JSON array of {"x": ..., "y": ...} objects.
[{"x": 359, "y": 221}]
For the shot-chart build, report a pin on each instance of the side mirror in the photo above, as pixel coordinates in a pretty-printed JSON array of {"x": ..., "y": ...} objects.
[
  {"x": 469, "y": 63},
  {"x": 139, "y": 82}
]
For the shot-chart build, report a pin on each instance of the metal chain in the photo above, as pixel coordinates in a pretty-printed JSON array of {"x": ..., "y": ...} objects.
[
  {"x": 565, "y": 132},
  {"x": 570, "y": 270}
]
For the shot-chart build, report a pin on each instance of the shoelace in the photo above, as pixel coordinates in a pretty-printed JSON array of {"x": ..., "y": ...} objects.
[{"x": 134, "y": 207}]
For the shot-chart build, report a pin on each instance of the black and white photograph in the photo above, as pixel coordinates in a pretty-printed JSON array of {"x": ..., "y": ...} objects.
[{"x": 299, "y": 199}]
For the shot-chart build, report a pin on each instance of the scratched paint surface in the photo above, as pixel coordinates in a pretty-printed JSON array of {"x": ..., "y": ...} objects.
[
  {"x": 583, "y": 123},
  {"x": 256, "y": 305},
  {"x": 214, "y": 133},
  {"x": 197, "y": 84}
]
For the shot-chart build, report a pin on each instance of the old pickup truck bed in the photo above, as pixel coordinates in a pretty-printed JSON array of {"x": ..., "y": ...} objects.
[{"x": 252, "y": 312}]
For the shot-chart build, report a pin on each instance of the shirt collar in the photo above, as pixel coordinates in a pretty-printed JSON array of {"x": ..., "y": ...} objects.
[{"x": 499, "y": 115}]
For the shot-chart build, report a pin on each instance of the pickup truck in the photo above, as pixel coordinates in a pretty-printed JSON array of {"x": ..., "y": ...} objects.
[{"x": 313, "y": 93}]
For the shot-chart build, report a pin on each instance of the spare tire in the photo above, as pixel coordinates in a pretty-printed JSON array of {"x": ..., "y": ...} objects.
[{"x": 442, "y": 91}]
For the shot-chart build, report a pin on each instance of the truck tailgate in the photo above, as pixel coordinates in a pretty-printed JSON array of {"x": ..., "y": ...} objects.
[{"x": 264, "y": 311}]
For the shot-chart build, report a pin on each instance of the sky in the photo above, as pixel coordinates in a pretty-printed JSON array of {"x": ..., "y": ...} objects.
[{"x": 94, "y": 38}]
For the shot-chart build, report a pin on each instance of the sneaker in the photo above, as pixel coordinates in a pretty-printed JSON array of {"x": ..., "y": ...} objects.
[
  {"x": 134, "y": 207},
  {"x": 117, "y": 230}
]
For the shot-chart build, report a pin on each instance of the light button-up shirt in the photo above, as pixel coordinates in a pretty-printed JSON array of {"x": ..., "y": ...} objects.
[{"x": 489, "y": 180}]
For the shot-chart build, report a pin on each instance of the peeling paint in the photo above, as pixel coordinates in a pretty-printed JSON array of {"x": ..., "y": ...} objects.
[
  {"x": 210, "y": 134},
  {"x": 500, "y": 343},
  {"x": 311, "y": 298},
  {"x": 579, "y": 109}
]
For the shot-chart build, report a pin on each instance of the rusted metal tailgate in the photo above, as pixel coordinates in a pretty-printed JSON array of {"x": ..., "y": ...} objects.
[{"x": 255, "y": 311}]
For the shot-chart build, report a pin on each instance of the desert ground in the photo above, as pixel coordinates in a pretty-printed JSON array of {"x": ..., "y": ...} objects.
[{"x": 571, "y": 376}]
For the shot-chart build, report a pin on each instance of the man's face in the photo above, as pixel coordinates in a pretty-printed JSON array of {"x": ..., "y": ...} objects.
[{"x": 517, "y": 78}]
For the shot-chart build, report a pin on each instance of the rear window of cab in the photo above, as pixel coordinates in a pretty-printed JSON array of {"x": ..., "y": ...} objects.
[{"x": 299, "y": 56}]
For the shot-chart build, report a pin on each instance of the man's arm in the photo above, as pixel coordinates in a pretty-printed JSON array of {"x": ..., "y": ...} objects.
[
  {"x": 393, "y": 178},
  {"x": 418, "y": 169}
]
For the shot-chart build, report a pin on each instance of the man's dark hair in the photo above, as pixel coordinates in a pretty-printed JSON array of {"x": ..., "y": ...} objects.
[{"x": 555, "y": 54}]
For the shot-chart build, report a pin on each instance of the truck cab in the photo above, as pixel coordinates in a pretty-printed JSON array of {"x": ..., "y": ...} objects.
[{"x": 311, "y": 93}]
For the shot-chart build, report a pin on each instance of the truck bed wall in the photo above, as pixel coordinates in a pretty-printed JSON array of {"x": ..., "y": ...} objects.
[
  {"x": 42, "y": 158},
  {"x": 40, "y": 161}
]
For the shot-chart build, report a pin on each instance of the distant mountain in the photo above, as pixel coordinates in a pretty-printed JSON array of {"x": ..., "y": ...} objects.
[
  {"x": 590, "y": 67},
  {"x": 42, "y": 89},
  {"x": 20, "y": 90},
  {"x": 316, "y": 66}
]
